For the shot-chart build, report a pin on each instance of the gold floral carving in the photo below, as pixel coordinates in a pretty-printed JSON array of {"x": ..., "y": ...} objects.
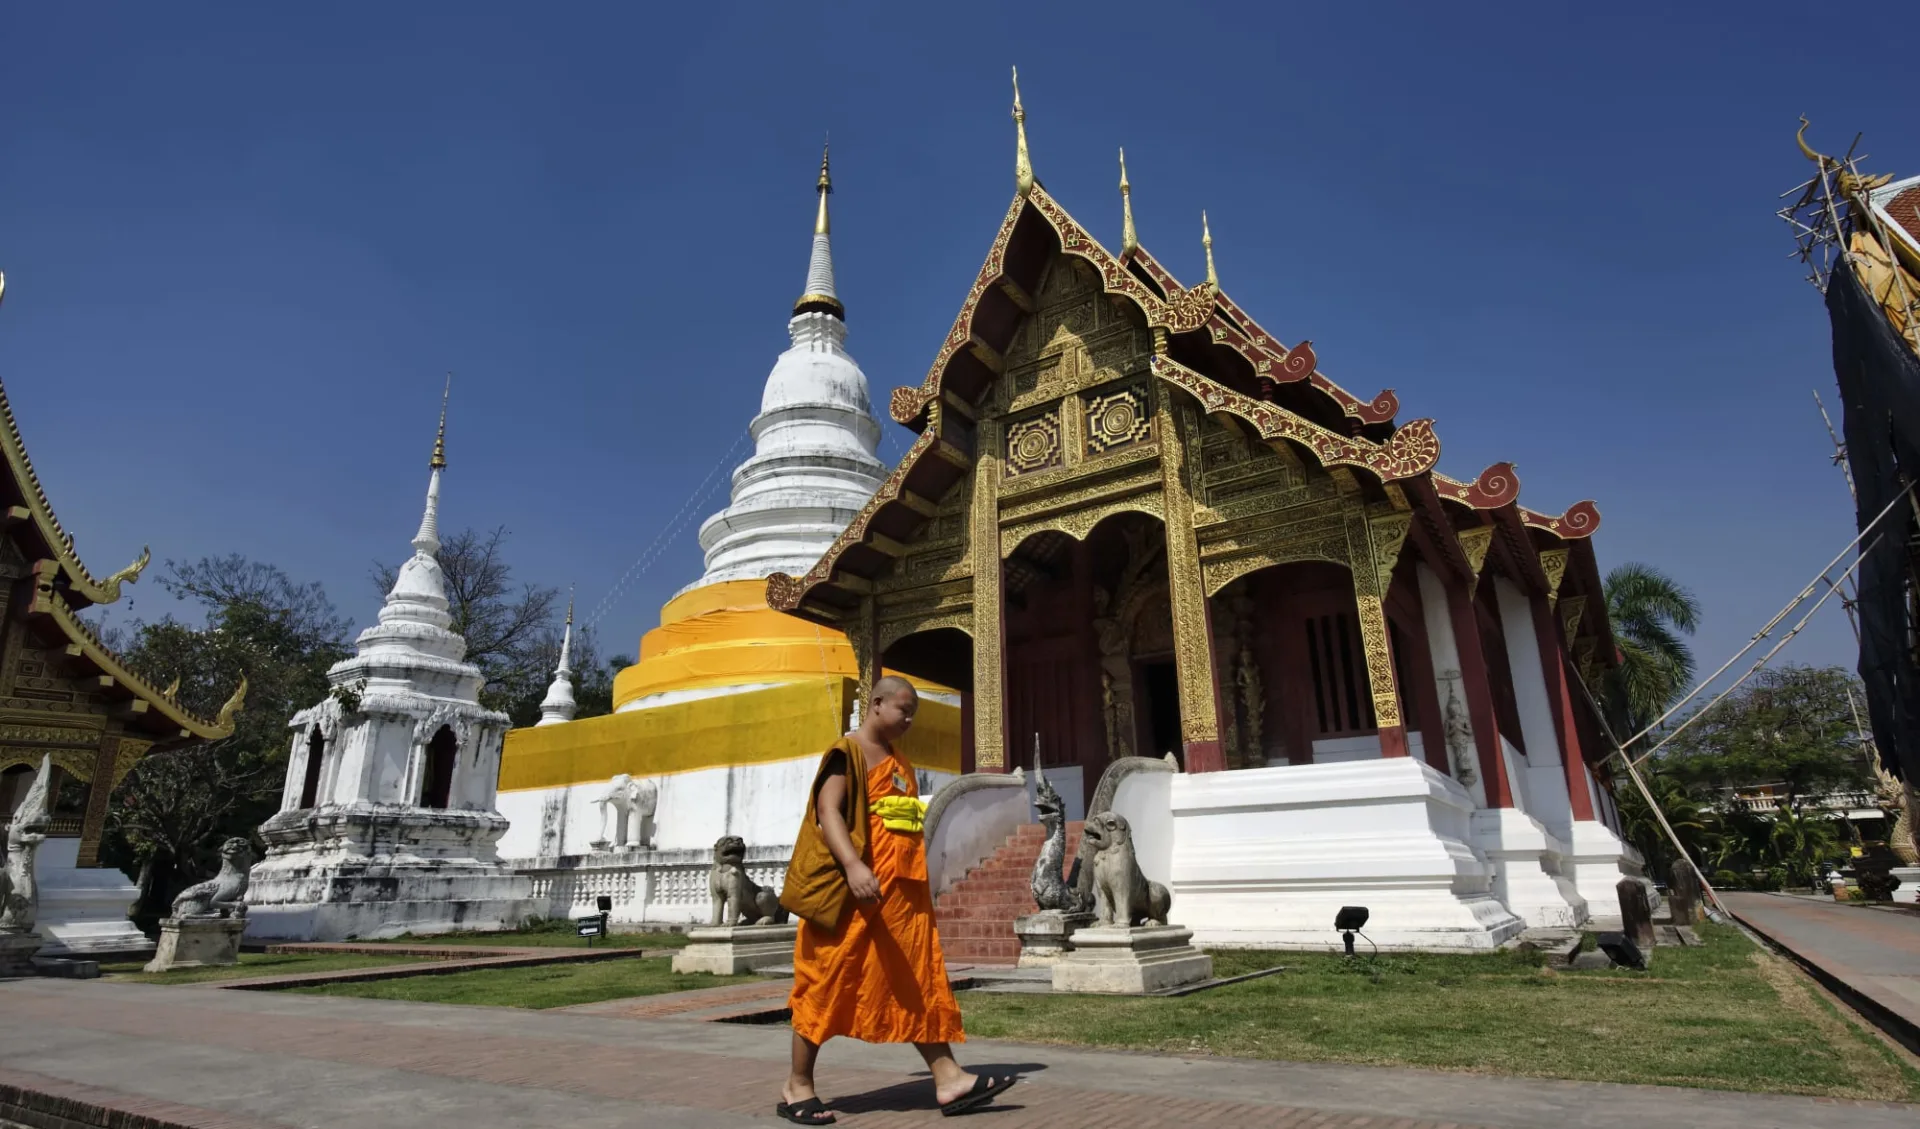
[
  {"x": 1411, "y": 450},
  {"x": 1034, "y": 444},
  {"x": 1571, "y": 610},
  {"x": 1373, "y": 638},
  {"x": 1553, "y": 562},
  {"x": 1193, "y": 655},
  {"x": 129, "y": 754},
  {"x": 1474, "y": 543},
  {"x": 893, "y": 631},
  {"x": 989, "y": 676},
  {"x": 1225, "y": 570},
  {"x": 862, "y": 637},
  {"x": 1078, "y": 523},
  {"x": 1368, "y": 594},
  {"x": 49, "y": 735},
  {"x": 1117, "y": 419},
  {"x": 1388, "y": 534}
]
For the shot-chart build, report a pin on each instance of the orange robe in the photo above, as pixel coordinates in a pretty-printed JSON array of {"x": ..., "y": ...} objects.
[{"x": 878, "y": 976}]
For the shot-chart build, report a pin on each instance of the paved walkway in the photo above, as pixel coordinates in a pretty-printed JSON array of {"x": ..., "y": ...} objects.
[
  {"x": 1874, "y": 954},
  {"x": 214, "y": 1059}
]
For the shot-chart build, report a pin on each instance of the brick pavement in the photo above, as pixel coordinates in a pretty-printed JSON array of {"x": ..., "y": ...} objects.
[
  {"x": 273, "y": 1059},
  {"x": 1869, "y": 956}
]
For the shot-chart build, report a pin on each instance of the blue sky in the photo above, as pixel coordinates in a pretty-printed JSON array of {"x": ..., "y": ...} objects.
[{"x": 244, "y": 243}]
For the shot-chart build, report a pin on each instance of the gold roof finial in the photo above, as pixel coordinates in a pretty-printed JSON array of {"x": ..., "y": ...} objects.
[
  {"x": 1129, "y": 240},
  {"x": 1022, "y": 164},
  {"x": 439, "y": 461},
  {"x": 1206, "y": 240},
  {"x": 825, "y": 188},
  {"x": 1800, "y": 138}
]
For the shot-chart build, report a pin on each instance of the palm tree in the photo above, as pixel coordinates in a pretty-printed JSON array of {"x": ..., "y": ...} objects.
[
  {"x": 1650, "y": 612},
  {"x": 1800, "y": 842},
  {"x": 1690, "y": 821}
]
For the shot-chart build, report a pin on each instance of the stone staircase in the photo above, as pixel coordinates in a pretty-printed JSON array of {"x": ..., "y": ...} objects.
[{"x": 975, "y": 915}]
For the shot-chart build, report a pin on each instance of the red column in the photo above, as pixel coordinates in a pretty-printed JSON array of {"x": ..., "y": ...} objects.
[
  {"x": 1474, "y": 682},
  {"x": 1560, "y": 697}
]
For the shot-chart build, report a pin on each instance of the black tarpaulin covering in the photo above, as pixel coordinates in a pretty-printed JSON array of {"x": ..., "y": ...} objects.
[{"x": 1880, "y": 391}]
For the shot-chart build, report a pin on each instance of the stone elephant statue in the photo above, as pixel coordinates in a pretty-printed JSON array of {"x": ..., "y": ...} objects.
[{"x": 633, "y": 802}]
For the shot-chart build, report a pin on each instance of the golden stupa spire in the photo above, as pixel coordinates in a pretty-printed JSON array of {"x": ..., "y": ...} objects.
[
  {"x": 439, "y": 461},
  {"x": 1206, "y": 240},
  {"x": 1022, "y": 164},
  {"x": 825, "y": 188},
  {"x": 1129, "y": 240}
]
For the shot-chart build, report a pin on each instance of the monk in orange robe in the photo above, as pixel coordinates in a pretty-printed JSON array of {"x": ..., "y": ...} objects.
[{"x": 867, "y": 962}]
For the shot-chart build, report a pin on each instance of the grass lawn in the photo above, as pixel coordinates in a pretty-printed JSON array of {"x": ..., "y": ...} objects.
[
  {"x": 541, "y": 938},
  {"x": 1724, "y": 1016},
  {"x": 256, "y": 964},
  {"x": 562, "y": 985}
]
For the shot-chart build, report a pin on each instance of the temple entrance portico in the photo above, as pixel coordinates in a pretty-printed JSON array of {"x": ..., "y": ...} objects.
[{"x": 1163, "y": 532}]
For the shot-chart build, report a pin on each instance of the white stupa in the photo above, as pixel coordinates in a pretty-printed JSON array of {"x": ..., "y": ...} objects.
[
  {"x": 814, "y": 464},
  {"x": 558, "y": 706},
  {"x": 387, "y": 822}
]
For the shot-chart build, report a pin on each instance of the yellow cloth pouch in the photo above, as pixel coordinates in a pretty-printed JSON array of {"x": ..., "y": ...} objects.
[{"x": 901, "y": 813}]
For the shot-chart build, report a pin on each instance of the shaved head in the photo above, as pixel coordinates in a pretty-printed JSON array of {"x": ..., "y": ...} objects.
[{"x": 889, "y": 685}]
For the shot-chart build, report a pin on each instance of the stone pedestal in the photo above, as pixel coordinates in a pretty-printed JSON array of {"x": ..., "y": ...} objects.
[
  {"x": 16, "y": 953},
  {"x": 1131, "y": 961},
  {"x": 198, "y": 942},
  {"x": 1045, "y": 937},
  {"x": 1909, "y": 889},
  {"x": 729, "y": 950},
  {"x": 1636, "y": 916}
]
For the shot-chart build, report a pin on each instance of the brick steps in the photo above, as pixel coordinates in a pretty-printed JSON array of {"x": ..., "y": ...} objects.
[{"x": 975, "y": 917}]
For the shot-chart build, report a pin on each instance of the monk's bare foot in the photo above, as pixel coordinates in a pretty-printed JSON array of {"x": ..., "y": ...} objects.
[
  {"x": 796, "y": 1091},
  {"x": 958, "y": 1086}
]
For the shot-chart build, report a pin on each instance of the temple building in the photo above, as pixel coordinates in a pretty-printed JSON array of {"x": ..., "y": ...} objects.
[
  {"x": 1133, "y": 523},
  {"x": 727, "y": 709},
  {"x": 387, "y": 822},
  {"x": 66, "y": 696}
]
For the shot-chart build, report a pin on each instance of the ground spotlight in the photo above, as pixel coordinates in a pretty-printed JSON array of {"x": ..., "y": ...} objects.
[{"x": 1349, "y": 921}]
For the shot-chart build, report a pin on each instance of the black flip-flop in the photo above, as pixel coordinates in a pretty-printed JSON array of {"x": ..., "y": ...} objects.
[
  {"x": 812, "y": 1111},
  {"x": 985, "y": 1089}
]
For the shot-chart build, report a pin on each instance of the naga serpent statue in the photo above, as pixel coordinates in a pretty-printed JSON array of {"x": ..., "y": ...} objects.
[{"x": 1054, "y": 887}]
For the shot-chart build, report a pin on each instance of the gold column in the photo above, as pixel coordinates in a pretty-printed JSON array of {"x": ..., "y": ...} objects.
[
  {"x": 1192, "y": 626},
  {"x": 93, "y": 826},
  {"x": 989, "y": 611},
  {"x": 1373, "y": 547}
]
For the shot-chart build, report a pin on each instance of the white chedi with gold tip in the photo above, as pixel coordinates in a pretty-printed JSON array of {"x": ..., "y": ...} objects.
[{"x": 814, "y": 463}]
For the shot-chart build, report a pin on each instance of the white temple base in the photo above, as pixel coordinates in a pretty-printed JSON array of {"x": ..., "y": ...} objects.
[
  {"x": 729, "y": 950},
  {"x": 1908, "y": 891},
  {"x": 1597, "y": 860},
  {"x": 197, "y": 942},
  {"x": 1265, "y": 857},
  {"x": 366, "y": 871},
  {"x": 1117, "y": 960},
  {"x": 1528, "y": 863},
  {"x": 83, "y": 910}
]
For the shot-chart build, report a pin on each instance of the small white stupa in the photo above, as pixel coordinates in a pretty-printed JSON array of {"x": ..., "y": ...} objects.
[
  {"x": 388, "y": 824},
  {"x": 558, "y": 705}
]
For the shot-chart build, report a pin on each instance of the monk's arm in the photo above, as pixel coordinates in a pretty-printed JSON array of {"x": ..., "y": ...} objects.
[{"x": 828, "y": 808}]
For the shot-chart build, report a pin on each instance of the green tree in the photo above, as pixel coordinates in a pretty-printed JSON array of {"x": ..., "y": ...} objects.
[
  {"x": 1800, "y": 842},
  {"x": 170, "y": 814},
  {"x": 1650, "y": 614},
  {"x": 1691, "y": 821},
  {"x": 1792, "y": 728}
]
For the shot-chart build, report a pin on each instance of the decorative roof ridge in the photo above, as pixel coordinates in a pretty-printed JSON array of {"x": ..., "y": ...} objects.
[
  {"x": 786, "y": 593},
  {"x": 48, "y": 602},
  {"x": 1496, "y": 486},
  {"x": 40, "y": 511},
  {"x": 1237, "y": 322},
  {"x": 1413, "y": 449},
  {"x": 1576, "y": 522}
]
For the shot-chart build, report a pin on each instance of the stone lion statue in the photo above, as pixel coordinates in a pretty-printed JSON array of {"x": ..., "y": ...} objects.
[
  {"x": 1121, "y": 894},
  {"x": 736, "y": 899},
  {"x": 633, "y": 802},
  {"x": 220, "y": 896}
]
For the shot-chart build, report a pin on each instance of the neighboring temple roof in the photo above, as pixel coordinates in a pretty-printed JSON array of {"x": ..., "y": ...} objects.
[
  {"x": 1216, "y": 353},
  {"x": 63, "y": 586}
]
